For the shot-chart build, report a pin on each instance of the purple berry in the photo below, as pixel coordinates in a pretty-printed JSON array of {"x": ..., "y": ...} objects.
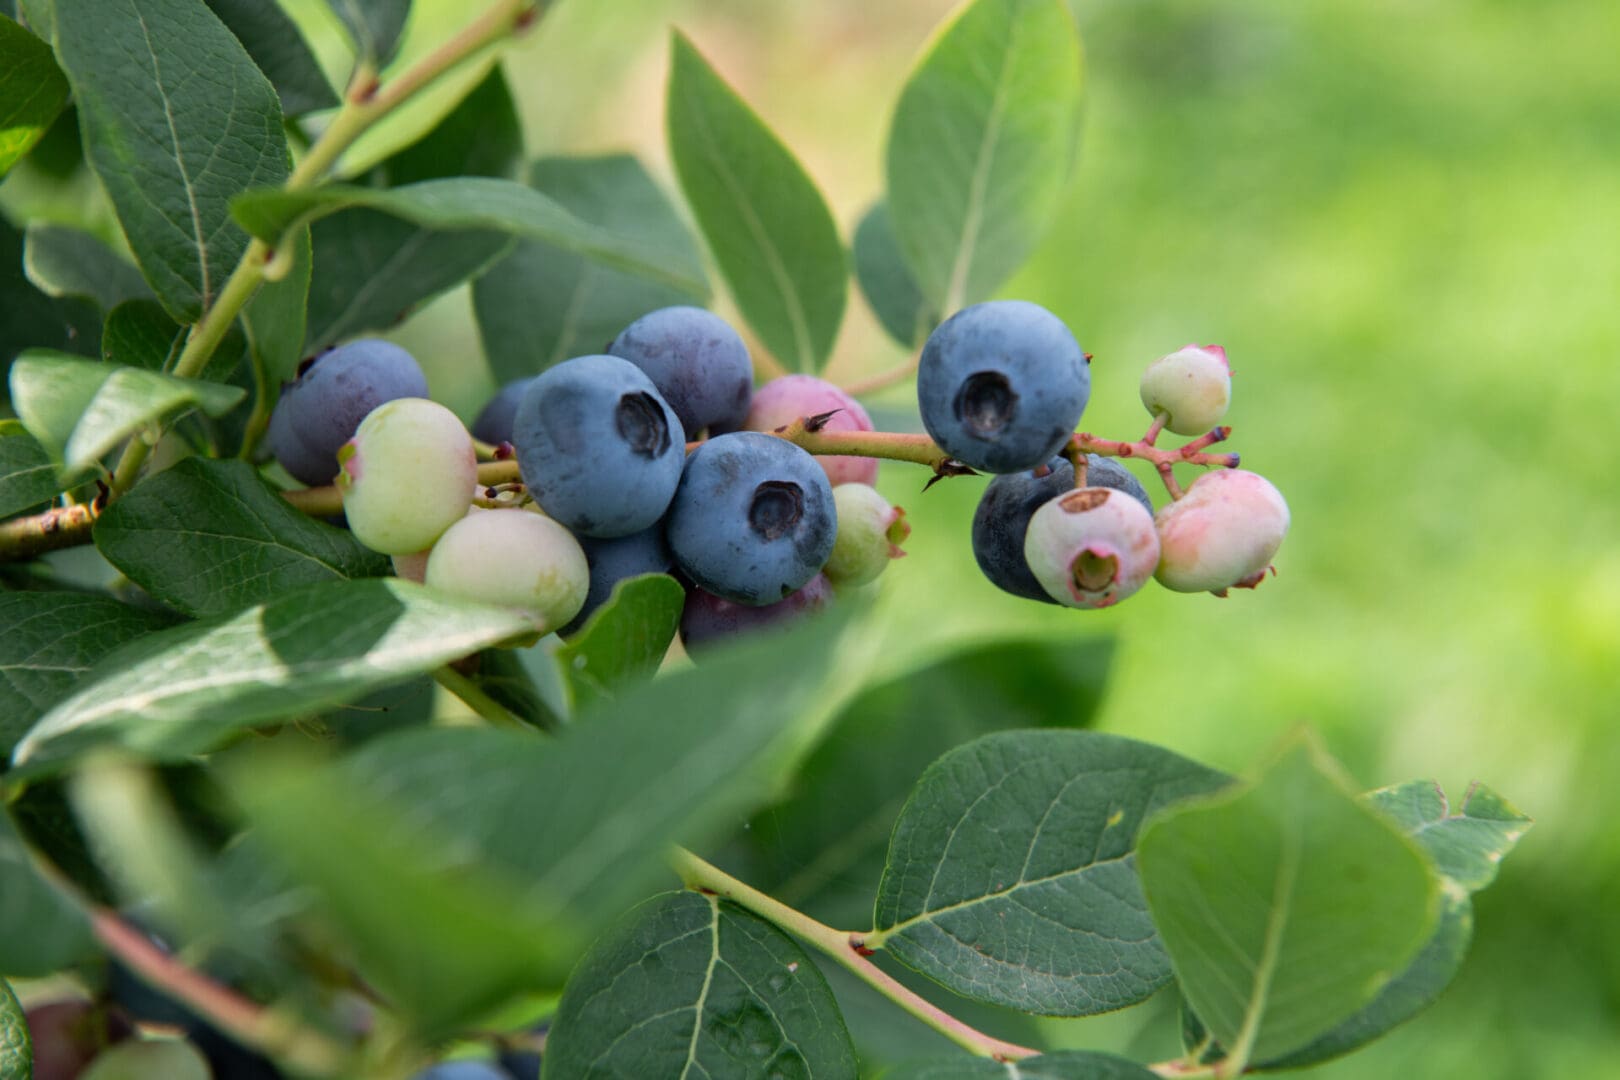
[
  {"x": 319, "y": 411},
  {"x": 708, "y": 619},
  {"x": 494, "y": 423},
  {"x": 698, "y": 363},
  {"x": 784, "y": 400},
  {"x": 612, "y": 561}
]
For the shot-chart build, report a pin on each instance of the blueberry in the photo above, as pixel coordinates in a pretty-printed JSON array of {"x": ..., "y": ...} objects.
[
  {"x": 708, "y": 619},
  {"x": 407, "y": 476},
  {"x": 67, "y": 1036},
  {"x": 1000, "y": 522},
  {"x": 494, "y": 423},
  {"x": 870, "y": 533},
  {"x": 611, "y": 561},
  {"x": 1001, "y": 385},
  {"x": 753, "y": 519},
  {"x": 698, "y": 363},
  {"x": 512, "y": 558},
  {"x": 599, "y": 448},
  {"x": 226, "y": 1057},
  {"x": 521, "y": 1064},
  {"x": 782, "y": 401},
  {"x": 320, "y": 410},
  {"x": 461, "y": 1070},
  {"x": 1192, "y": 387},
  {"x": 1222, "y": 533},
  {"x": 1091, "y": 547}
]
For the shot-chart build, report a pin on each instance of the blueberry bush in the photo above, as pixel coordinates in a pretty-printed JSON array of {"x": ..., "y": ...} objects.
[{"x": 346, "y": 741}]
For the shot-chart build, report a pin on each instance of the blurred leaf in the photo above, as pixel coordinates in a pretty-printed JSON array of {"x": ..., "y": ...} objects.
[
  {"x": 48, "y": 641},
  {"x": 482, "y": 136},
  {"x": 503, "y": 675},
  {"x": 1468, "y": 846},
  {"x": 690, "y": 984},
  {"x": 184, "y": 690},
  {"x": 464, "y": 203},
  {"x": 1011, "y": 877},
  {"x": 822, "y": 848},
  {"x": 1286, "y": 906},
  {"x": 139, "y": 333},
  {"x": 27, "y": 474},
  {"x": 1062, "y": 1065},
  {"x": 40, "y": 931},
  {"x": 32, "y": 92},
  {"x": 29, "y": 318},
  {"x": 161, "y": 87},
  {"x": 624, "y": 640},
  {"x": 543, "y": 304},
  {"x": 766, "y": 224},
  {"x": 277, "y": 315},
  {"x": 886, "y": 281},
  {"x": 16, "y": 1050},
  {"x": 375, "y": 25},
  {"x": 279, "y": 50},
  {"x": 143, "y": 1059},
  {"x": 982, "y": 144},
  {"x": 371, "y": 270},
  {"x": 211, "y": 537},
  {"x": 69, "y": 262},
  {"x": 81, "y": 409}
]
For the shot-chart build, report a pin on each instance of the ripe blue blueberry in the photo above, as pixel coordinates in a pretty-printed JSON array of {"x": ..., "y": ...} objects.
[
  {"x": 708, "y": 619},
  {"x": 599, "y": 448},
  {"x": 1002, "y": 519},
  {"x": 494, "y": 423},
  {"x": 320, "y": 410},
  {"x": 1001, "y": 385},
  {"x": 462, "y": 1070},
  {"x": 611, "y": 561},
  {"x": 698, "y": 363},
  {"x": 753, "y": 519}
]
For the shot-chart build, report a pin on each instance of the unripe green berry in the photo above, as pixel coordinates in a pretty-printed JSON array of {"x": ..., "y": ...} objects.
[
  {"x": 513, "y": 559},
  {"x": 1222, "y": 533},
  {"x": 1091, "y": 547},
  {"x": 870, "y": 533},
  {"x": 406, "y": 475},
  {"x": 1192, "y": 387}
]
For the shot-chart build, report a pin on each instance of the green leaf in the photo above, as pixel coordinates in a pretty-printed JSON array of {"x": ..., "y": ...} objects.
[
  {"x": 822, "y": 849},
  {"x": 139, "y": 333},
  {"x": 68, "y": 262},
  {"x": 375, "y": 25},
  {"x": 624, "y": 640},
  {"x": 543, "y": 304},
  {"x": 766, "y": 224},
  {"x": 465, "y": 203},
  {"x": 692, "y": 985},
  {"x": 27, "y": 473},
  {"x": 277, "y": 316},
  {"x": 482, "y": 136},
  {"x": 1062, "y": 1065},
  {"x": 172, "y": 1059},
  {"x": 81, "y": 409},
  {"x": 48, "y": 641},
  {"x": 982, "y": 145},
  {"x": 371, "y": 270},
  {"x": 176, "y": 121},
  {"x": 1011, "y": 875},
  {"x": 16, "y": 1049},
  {"x": 40, "y": 931},
  {"x": 886, "y": 281},
  {"x": 505, "y": 677},
  {"x": 211, "y": 537},
  {"x": 279, "y": 50},
  {"x": 29, "y": 318},
  {"x": 184, "y": 690},
  {"x": 1286, "y": 906},
  {"x": 32, "y": 92}
]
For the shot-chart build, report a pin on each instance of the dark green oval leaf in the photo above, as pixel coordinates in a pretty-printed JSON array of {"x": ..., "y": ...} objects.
[
  {"x": 176, "y": 121},
  {"x": 185, "y": 690},
  {"x": 692, "y": 985},
  {"x": 211, "y": 537},
  {"x": 29, "y": 318},
  {"x": 27, "y": 473},
  {"x": 481, "y": 136},
  {"x": 69, "y": 262},
  {"x": 1286, "y": 906},
  {"x": 32, "y": 92},
  {"x": 139, "y": 333},
  {"x": 982, "y": 144},
  {"x": 766, "y": 224},
  {"x": 624, "y": 640},
  {"x": 1011, "y": 876},
  {"x": 1061, "y": 1065},
  {"x": 886, "y": 281},
  {"x": 279, "y": 50}
]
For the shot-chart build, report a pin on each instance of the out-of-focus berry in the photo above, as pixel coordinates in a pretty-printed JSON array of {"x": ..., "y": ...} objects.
[{"x": 708, "y": 619}]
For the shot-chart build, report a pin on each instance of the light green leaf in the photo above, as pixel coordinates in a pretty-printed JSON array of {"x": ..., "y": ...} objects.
[
  {"x": 184, "y": 690},
  {"x": 16, "y": 1049},
  {"x": 32, "y": 92},
  {"x": 822, "y": 849},
  {"x": 279, "y": 50},
  {"x": 211, "y": 537},
  {"x": 692, "y": 985},
  {"x": 68, "y": 262},
  {"x": 982, "y": 145},
  {"x": 1062, "y": 1065},
  {"x": 464, "y": 203},
  {"x": 27, "y": 473},
  {"x": 886, "y": 281},
  {"x": 542, "y": 304},
  {"x": 766, "y": 224},
  {"x": 172, "y": 1059},
  {"x": 176, "y": 121},
  {"x": 1286, "y": 906},
  {"x": 40, "y": 931},
  {"x": 276, "y": 318},
  {"x": 375, "y": 25},
  {"x": 48, "y": 641},
  {"x": 81, "y": 409},
  {"x": 1468, "y": 846},
  {"x": 1011, "y": 876},
  {"x": 624, "y": 640}
]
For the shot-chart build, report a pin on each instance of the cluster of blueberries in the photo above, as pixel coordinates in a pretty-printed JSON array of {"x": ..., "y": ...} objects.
[{"x": 756, "y": 527}]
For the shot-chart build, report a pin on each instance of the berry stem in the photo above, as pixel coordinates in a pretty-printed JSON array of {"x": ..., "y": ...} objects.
[
  {"x": 472, "y": 695},
  {"x": 845, "y": 948},
  {"x": 1162, "y": 460}
]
